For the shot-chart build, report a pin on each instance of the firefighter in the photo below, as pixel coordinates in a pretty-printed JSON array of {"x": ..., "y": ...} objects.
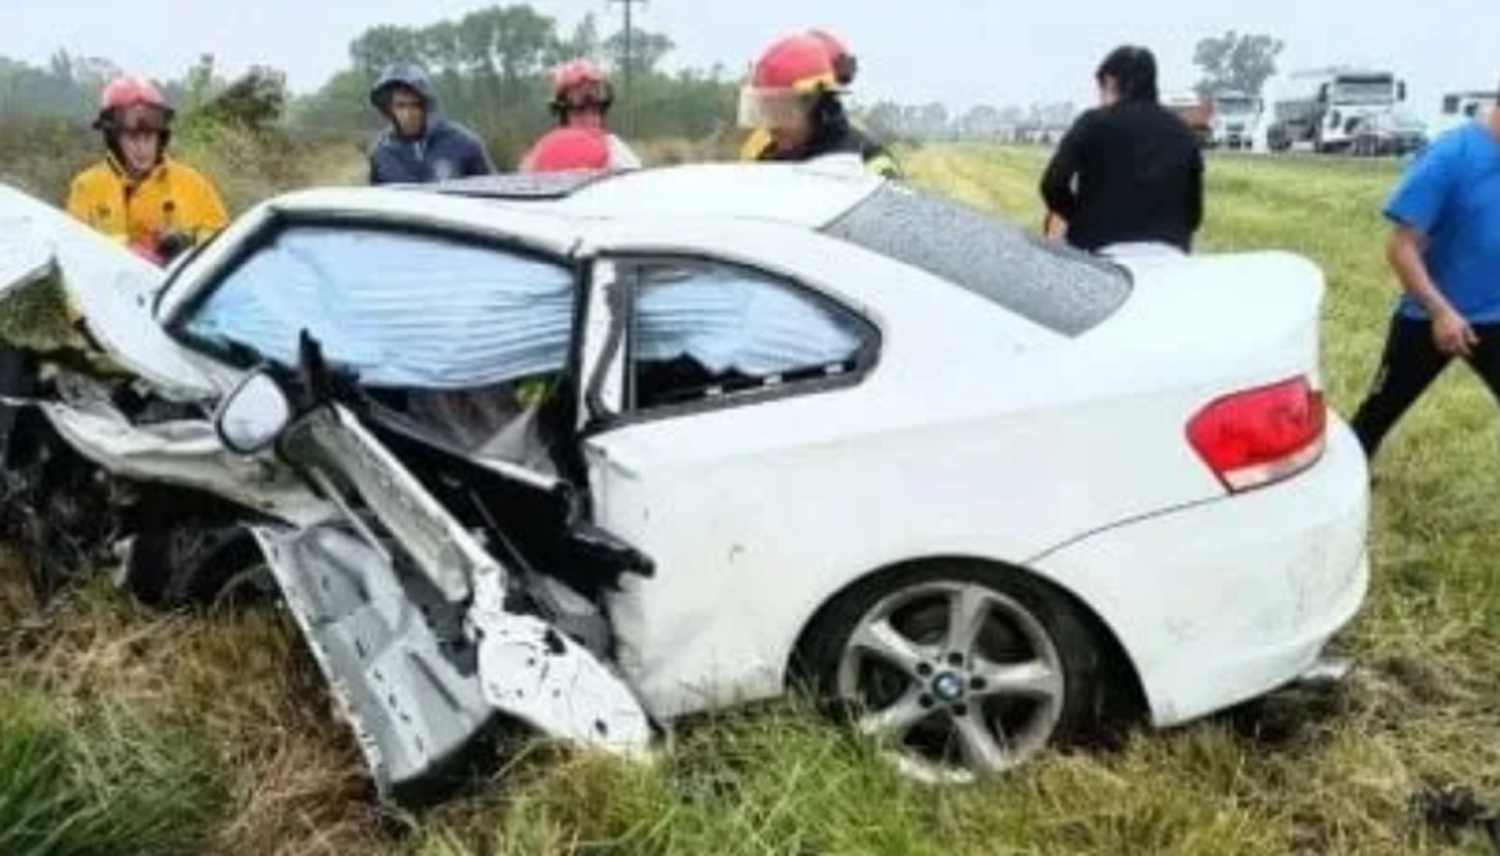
[
  {"x": 138, "y": 195},
  {"x": 570, "y": 148},
  {"x": 845, "y": 67},
  {"x": 581, "y": 97},
  {"x": 794, "y": 93}
]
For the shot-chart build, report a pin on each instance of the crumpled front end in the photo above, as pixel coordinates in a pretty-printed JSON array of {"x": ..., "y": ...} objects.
[
  {"x": 69, "y": 293},
  {"x": 105, "y": 427}
]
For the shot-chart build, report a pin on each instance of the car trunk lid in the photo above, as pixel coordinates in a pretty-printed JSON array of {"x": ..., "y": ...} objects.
[{"x": 1231, "y": 342}]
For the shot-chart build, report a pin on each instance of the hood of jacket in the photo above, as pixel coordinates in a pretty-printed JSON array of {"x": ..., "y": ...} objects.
[{"x": 413, "y": 77}]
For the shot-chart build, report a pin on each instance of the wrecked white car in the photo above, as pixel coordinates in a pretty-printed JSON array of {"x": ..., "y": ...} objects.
[{"x": 599, "y": 452}]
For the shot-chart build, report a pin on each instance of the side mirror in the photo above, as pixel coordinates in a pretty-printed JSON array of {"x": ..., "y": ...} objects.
[
  {"x": 1323, "y": 94},
  {"x": 1401, "y": 90},
  {"x": 252, "y": 416}
]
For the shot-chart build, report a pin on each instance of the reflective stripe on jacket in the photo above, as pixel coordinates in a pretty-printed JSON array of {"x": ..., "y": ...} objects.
[{"x": 853, "y": 139}]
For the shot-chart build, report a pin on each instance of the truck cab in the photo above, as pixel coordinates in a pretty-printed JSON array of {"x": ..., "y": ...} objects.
[
  {"x": 1233, "y": 119},
  {"x": 1460, "y": 107},
  {"x": 1328, "y": 108}
]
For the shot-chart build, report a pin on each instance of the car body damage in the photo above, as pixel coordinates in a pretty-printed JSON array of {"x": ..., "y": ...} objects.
[
  {"x": 55, "y": 270},
  {"x": 105, "y": 439},
  {"x": 407, "y": 616},
  {"x": 427, "y": 643},
  {"x": 594, "y": 453}
]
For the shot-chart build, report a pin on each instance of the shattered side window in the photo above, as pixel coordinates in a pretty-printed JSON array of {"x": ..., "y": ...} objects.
[
  {"x": 1063, "y": 289},
  {"x": 403, "y": 309},
  {"x": 702, "y": 330}
]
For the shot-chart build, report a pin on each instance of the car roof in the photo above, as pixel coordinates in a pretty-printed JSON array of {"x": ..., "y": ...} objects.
[{"x": 809, "y": 195}]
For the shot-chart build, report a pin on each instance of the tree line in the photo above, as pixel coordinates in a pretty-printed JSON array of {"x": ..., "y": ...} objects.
[{"x": 492, "y": 67}]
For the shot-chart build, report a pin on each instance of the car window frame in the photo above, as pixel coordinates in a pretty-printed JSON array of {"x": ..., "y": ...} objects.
[
  {"x": 626, "y": 265},
  {"x": 176, "y": 326}
]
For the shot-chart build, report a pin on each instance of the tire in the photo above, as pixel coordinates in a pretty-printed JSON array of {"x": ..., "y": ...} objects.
[
  {"x": 197, "y": 565},
  {"x": 877, "y": 655}
]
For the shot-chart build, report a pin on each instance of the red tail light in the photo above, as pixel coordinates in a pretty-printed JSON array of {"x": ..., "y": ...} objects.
[{"x": 1259, "y": 436}]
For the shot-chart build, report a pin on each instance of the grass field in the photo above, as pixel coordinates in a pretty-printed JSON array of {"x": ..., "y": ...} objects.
[{"x": 229, "y": 735}]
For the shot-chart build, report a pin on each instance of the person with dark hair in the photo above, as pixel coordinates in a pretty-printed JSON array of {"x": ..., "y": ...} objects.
[
  {"x": 1444, "y": 247},
  {"x": 794, "y": 95},
  {"x": 421, "y": 145},
  {"x": 1129, "y": 170}
]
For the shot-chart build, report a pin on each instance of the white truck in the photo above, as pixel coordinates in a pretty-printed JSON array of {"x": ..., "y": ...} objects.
[
  {"x": 1233, "y": 119},
  {"x": 1328, "y": 108},
  {"x": 1460, "y": 107}
]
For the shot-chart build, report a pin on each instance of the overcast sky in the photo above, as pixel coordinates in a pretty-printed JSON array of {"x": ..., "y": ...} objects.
[{"x": 960, "y": 52}]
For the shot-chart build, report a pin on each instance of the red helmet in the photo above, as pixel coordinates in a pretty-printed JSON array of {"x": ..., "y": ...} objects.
[
  {"x": 789, "y": 74},
  {"x": 579, "y": 84},
  {"x": 845, "y": 65},
  {"x": 799, "y": 63},
  {"x": 568, "y": 148},
  {"x": 132, "y": 103}
]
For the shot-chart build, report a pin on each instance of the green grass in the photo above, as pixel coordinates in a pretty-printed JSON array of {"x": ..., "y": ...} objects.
[
  {"x": 100, "y": 780},
  {"x": 1292, "y": 776}
]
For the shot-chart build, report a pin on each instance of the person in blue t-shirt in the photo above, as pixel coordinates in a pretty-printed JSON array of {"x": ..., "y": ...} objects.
[{"x": 1445, "y": 248}]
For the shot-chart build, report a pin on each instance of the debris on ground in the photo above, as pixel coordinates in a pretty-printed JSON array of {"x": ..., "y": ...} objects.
[{"x": 1452, "y": 811}]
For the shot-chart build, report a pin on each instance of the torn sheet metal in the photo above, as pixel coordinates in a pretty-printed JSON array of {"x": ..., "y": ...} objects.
[
  {"x": 544, "y": 678},
  {"x": 407, "y": 616},
  {"x": 394, "y": 659},
  {"x": 331, "y": 441},
  {"x": 184, "y": 452},
  {"x": 51, "y": 260}
]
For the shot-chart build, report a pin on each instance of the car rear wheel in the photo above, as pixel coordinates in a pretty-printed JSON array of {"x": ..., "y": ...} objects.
[{"x": 960, "y": 670}]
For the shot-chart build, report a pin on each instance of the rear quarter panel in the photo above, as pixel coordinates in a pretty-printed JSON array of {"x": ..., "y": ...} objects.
[{"x": 976, "y": 435}]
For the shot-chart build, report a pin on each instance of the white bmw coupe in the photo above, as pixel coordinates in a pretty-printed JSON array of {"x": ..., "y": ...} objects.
[{"x": 731, "y": 428}]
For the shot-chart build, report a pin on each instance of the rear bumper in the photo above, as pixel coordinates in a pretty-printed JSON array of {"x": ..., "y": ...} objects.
[{"x": 1221, "y": 602}]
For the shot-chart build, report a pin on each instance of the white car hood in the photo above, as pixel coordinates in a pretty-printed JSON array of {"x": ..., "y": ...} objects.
[{"x": 110, "y": 286}]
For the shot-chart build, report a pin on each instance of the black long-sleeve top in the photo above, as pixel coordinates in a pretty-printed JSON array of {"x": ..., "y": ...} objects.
[{"x": 1139, "y": 174}]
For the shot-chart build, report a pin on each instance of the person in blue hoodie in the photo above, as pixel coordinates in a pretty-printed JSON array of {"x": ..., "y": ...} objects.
[{"x": 421, "y": 145}]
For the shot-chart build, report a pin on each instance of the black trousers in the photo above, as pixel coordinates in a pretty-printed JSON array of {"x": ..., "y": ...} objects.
[{"x": 1410, "y": 364}]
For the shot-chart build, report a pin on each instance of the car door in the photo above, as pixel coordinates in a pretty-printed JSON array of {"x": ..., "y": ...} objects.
[
  {"x": 713, "y": 391},
  {"x": 412, "y": 621}
]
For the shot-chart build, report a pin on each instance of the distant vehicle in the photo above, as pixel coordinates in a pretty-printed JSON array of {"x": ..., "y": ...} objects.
[
  {"x": 1326, "y": 107},
  {"x": 1195, "y": 111},
  {"x": 1398, "y": 132},
  {"x": 1458, "y": 108},
  {"x": 1232, "y": 119}
]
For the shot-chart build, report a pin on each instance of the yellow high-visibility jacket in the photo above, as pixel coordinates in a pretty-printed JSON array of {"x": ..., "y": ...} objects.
[
  {"x": 172, "y": 197},
  {"x": 877, "y": 158},
  {"x": 758, "y": 141}
]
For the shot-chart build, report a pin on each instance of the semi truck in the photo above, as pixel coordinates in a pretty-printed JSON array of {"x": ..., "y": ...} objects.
[
  {"x": 1233, "y": 117},
  {"x": 1328, "y": 107},
  {"x": 1460, "y": 107}
]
